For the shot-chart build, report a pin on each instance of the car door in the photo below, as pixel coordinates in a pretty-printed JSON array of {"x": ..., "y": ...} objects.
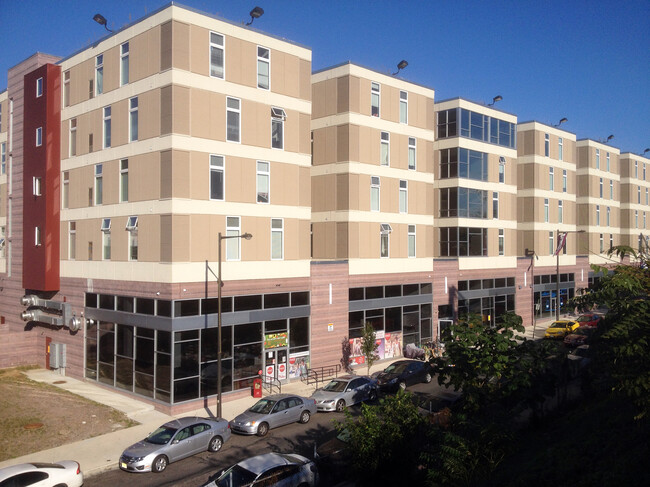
[
  {"x": 355, "y": 391},
  {"x": 296, "y": 407},
  {"x": 201, "y": 433},
  {"x": 182, "y": 445},
  {"x": 413, "y": 373},
  {"x": 280, "y": 414}
]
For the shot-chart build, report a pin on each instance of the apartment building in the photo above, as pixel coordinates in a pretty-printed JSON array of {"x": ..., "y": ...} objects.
[
  {"x": 547, "y": 203},
  {"x": 634, "y": 200},
  {"x": 4, "y": 157},
  {"x": 372, "y": 203},
  {"x": 475, "y": 204},
  {"x": 151, "y": 143}
]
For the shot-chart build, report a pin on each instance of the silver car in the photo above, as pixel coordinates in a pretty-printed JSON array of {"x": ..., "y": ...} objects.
[
  {"x": 345, "y": 391},
  {"x": 276, "y": 469},
  {"x": 174, "y": 441},
  {"x": 273, "y": 411}
]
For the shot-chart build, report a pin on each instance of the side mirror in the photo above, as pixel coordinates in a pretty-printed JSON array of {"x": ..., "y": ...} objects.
[{"x": 174, "y": 442}]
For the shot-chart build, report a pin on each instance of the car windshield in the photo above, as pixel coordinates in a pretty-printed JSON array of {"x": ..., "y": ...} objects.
[
  {"x": 263, "y": 406},
  {"x": 395, "y": 368},
  {"x": 581, "y": 331},
  {"x": 236, "y": 476},
  {"x": 161, "y": 436},
  {"x": 335, "y": 386},
  {"x": 584, "y": 318}
]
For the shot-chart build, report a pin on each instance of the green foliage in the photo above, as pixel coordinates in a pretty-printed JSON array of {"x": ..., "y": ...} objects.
[{"x": 369, "y": 345}]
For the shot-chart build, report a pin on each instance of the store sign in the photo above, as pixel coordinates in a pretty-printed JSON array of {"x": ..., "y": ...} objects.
[{"x": 276, "y": 340}]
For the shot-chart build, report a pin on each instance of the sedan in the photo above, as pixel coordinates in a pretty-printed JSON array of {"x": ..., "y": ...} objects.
[
  {"x": 589, "y": 320},
  {"x": 66, "y": 472},
  {"x": 273, "y": 411},
  {"x": 403, "y": 373},
  {"x": 345, "y": 391},
  {"x": 279, "y": 469},
  {"x": 579, "y": 337},
  {"x": 174, "y": 441},
  {"x": 561, "y": 328}
]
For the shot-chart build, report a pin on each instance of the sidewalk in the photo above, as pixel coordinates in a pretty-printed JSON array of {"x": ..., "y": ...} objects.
[{"x": 101, "y": 453}]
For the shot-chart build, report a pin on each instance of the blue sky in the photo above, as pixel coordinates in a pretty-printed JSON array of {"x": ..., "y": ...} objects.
[{"x": 588, "y": 61}]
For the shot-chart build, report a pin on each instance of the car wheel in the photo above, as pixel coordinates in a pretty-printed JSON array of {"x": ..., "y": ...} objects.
[
  {"x": 304, "y": 417},
  {"x": 373, "y": 396},
  {"x": 159, "y": 464},
  {"x": 215, "y": 444},
  {"x": 262, "y": 429},
  {"x": 340, "y": 405},
  {"x": 402, "y": 385},
  {"x": 427, "y": 377}
]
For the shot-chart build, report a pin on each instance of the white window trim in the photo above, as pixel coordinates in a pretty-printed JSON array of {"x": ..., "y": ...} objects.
[
  {"x": 415, "y": 241},
  {"x": 131, "y": 112},
  {"x": 547, "y": 145},
  {"x": 37, "y": 237},
  {"x": 560, "y": 149},
  {"x": 415, "y": 154},
  {"x": 99, "y": 176},
  {"x": 405, "y": 101},
  {"x": 378, "y": 93},
  {"x": 223, "y": 49},
  {"x": 124, "y": 171},
  {"x": 72, "y": 232},
  {"x": 124, "y": 55},
  {"x": 385, "y": 231},
  {"x": 234, "y": 110},
  {"x": 383, "y": 141},
  {"x": 403, "y": 188},
  {"x": 597, "y": 158},
  {"x": 278, "y": 115},
  {"x": 263, "y": 60},
  {"x": 565, "y": 181},
  {"x": 39, "y": 136},
  {"x": 65, "y": 98},
  {"x": 217, "y": 168},
  {"x": 281, "y": 232},
  {"x": 266, "y": 173},
  {"x": 131, "y": 223},
  {"x": 560, "y": 211},
  {"x": 546, "y": 210},
  {"x": 39, "y": 87},
  {"x": 237, "y": 240},
  {"x": 502, "y": 242},
  {"x": 37, "y": 186},
  {"x": 551, "y": 179},
  {"x": 99, "y": 65},
  {"x": 72, "y": 131},
  {"x": 375, "y": 182},
  {"x": 106, "y": 119}
]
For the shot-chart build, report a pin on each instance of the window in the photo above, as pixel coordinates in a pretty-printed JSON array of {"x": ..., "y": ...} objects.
[
  {"x": 124, "y": 180},
  {"x": 502, "y": 169},
  {"x": 277, "y": 239},
  {"x": 66, "y": 89},
  {"x": 463, "y": 242},
  {"x": 133, "y": 119},
  {"x": 263, "y": 182},
  {"x": 106, "y": 238},
  {"x": 217, "y": 52},
  {"x": 611, "y": 240},
  {"x": 124, "y": 64},
  {"x": 98, "y": 184},
  {"x": 560, "y": 149},
  {"x": 66, "y": 189},
  {"x": 278, "y": 116},
  {"x": 39, "y": 87},
  {"x": 132, "y": 228},
  {"x": 72, "y": 240},
  {"x": 564, "y": 180},
  {"x": 644, "y": 171},
  {"x": 636, "y": 218},
  {"x": 608, "y": 162},
  {"x": 374, "y": 99},
  {"x": 502, "y": 241},
  {"x": 597, "y": 158},
  {"x": 99, "y": 74},
  {"x": 600, "y": 187},
  {"x": 403, "y": 196},
  {"x": 646, "y": 196},
  {"x": 385, "y": 231},
  {"x": 73, "y": 137},
  {"x": 597, "y": 214},
  {"x": 374, "y": 193},
  {"x": 608, "y": 213},
  {"x": 636, "y": 169},
  {"x": 551, "y": 244},
  {"x": 463, "y": 202},
  {"x": 560, "y": 212},
  {"x": 447, "y": 123},
  {"x": 37, "y": 236},
  {"x": 233, "y": 245},
  {"x": 464, "y": 163},
  {"x": 638, "y": 195},
  {"x": 551, "y": 183},
  {"x": 611, "y": 189},
  {"x": 385, "y": 149},
  {"x": 3, "y": 158},
  {"x": 602, "y": 247},
  {"x": 547, "y": 145},
  {"x": 403, "y": 107},
  {"x": 411, "y": 240},
  {"x": 546, "y": 210},
  {"x": 107, "y": 127},
  {"x": 644, "y": 226},
  {"x": 233, "y": 115},
  {"x": 217, "y": 177},
  {"x": 263, "y": 68},
  {"x": 412, "y": 153},
  {"x": 39, "y": 136},
  {"x": 495, "y": 205},
  {"x": 36, "y": 186}
]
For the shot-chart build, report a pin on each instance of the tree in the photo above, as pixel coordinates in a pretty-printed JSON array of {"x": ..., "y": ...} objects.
[{"x": 369, "y": 345}]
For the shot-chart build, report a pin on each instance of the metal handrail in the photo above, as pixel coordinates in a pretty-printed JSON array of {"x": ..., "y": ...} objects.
[
  {"x": 269, "y": 383},
  {"x": 319, "y": 374}
]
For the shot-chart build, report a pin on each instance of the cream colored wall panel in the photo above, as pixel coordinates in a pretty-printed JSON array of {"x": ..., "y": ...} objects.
[
  {"x": 378, "y": 124},
  {"x": 358, "y": 168},
  {"x": 360, "y": 267},
  {"x": 373, "y": 217},
  {"x": 499, "y": 262}
]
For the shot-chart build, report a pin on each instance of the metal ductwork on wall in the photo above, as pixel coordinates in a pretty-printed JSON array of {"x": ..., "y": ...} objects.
[{"x": 55, "y": 313}]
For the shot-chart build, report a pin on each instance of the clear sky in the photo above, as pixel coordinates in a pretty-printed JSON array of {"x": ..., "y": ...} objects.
[{"x": 586, "y": 60}]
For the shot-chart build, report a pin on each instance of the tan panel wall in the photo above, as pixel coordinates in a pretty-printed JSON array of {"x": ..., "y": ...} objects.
[
  {"x": 354, "y": 142},
  {"x": 287, "y": 74},
  {"x": 208, "y": 115},
  {"x": 144, "y": 54},
  {"x": 204, "y": 233},
  {"x": 342, "y": 240},
  {"x": 181, "y": 46},
  {"x": 627, "y": 168},
  {"x": 181, "y": 174},
  {"x": 181, "y": 115},
  {"x": 149, "y": 115},
  {"x": 180, "y": 237},
  {"x": 166, "y": 110},
  {"x": 148, "y": 238},
  {"x": 111, "y": 183},
  {"x": 285, "y": 180},
  {"x": 144, "y": 172},
  {"x": 389, "y": 104},
  {"x": 304, "y": 187},
  {"x": 119, "y": 123},
  {"x": 354, "y": 237},
  {"x": 79, "y": 80},
  {"x": 365, "y": 86},
  {"x": 342, "y": 192},
  {"x": 166, "y": 243},
  {"x": 4, "y": 109},
  {"x": 166, "y": 180},
  {"x": 325, "y": 145},
  {"x": 241, "y": 62},
  {"x": 344, "y": 98},
  {"x": 3, "y": 200},
  {"x": 304, "y": 133},
  {"x": 166, "y": 46},
  {"x": 305, "y": 79},
  {"x": 526, "y": 209},
  {"x": 199, "y": 57},
  {"x": 324, "y": 240},
  {"x": 586, "y": 157},
  {"x": 507, "y": 206},
  {"x": 323, "y": 192},
  {"x": 324, "y": 98},
  {"x": 585, "y": 215},
  {"x": 81, "y": 186},
  {"x": 583, "y": 184}
]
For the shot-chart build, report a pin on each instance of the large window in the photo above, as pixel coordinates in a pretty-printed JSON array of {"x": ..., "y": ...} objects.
[
  {"x": 463, "y": 241},
  {"x": 73, "y": 137},
  {"x": 463, "y": 203},
  {"x": 217, "y": 177},
  {"x": 476, "y": 126},
  {"x": 412, "y": 153},
  {"x": 263, "y": 182},
  {"x": 463, "y": 163},
  {"x": 233, "y": 119},
  {"x": 107, "y": 127},
  {"x": 385, "y": 149},
  {"x": 375, "y": 193},
  {"x": 403, "y": 196},
  {"x": 216, "y": 55},
  {"x": 99, "y": 184},
  {"x": 278, "y": 116},
  {"x": 374, "y": 99},
  {"x": 263, "y": 68},
  {"x": 124, "y": 64},
  {"x": 277, "y": 239},
  {"x": 403, "y": 107},
  {"x": 133, "y": 119},
  {"x": 447, "y": 123},
  {"x": 411, "y": 240},
  {"x": 106, "y": 238},
  {"x": 132, "y": 228},
  {"x": 385, "y": 231},
  {"x": 233, "y": 245},
  {"x": 99, "y": 74},
  {"x": 124, "y": 180}
]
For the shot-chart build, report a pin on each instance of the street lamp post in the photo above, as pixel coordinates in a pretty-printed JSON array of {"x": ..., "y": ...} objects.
[
  {"x": 246, "y": 236},
  {"x": 533, "y": 256},
  {"x": 561, "y": 242}
]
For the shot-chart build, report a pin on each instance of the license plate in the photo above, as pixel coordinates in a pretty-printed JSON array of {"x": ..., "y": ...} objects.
[{"x": 123, "y": 465}]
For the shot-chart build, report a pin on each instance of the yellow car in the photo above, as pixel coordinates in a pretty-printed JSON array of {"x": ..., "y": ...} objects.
[{"x": 561, "y": 328}]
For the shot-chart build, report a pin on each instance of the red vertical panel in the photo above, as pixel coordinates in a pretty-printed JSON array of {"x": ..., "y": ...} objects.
[{"x": 41, "y": 262}]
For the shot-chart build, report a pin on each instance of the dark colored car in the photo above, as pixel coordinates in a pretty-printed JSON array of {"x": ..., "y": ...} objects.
[
  {"x": 579, "y": 336},
  {"x": 589, "y": 319},
  {"x": 403, "y": 373}
]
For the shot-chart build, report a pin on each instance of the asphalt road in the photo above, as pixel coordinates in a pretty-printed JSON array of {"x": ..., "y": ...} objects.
[{"x": 197, "y": 470}]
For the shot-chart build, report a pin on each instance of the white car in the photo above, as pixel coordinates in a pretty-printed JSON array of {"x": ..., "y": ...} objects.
[
  {"x": 270, "y": 469},
  {"x": 66, "y": 472},
  {"x": 345, "y": 391}
]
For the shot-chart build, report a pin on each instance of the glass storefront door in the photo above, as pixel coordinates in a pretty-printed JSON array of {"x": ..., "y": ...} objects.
[{"x": 275, "y": 364}]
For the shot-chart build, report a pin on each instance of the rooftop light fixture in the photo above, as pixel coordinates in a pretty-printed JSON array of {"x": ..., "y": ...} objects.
[
  {"x": 609, "y": 138},
  {"x": 256, "y": 13},
  {"x": 563, "y": 120},
  {"x": 101, "y": 20},
  {"x": 647, "y": 150},
  {"x": 402, "y": 64},
  {"x": 495, "y": 99}
]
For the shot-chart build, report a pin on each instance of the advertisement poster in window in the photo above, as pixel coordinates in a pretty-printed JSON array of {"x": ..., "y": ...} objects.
[
  {"x": 392, "y": 345},
  {"x": 298, "y": 365}
]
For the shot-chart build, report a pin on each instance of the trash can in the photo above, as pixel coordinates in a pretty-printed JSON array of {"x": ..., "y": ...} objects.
[{"x": 257, "y": 387}]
